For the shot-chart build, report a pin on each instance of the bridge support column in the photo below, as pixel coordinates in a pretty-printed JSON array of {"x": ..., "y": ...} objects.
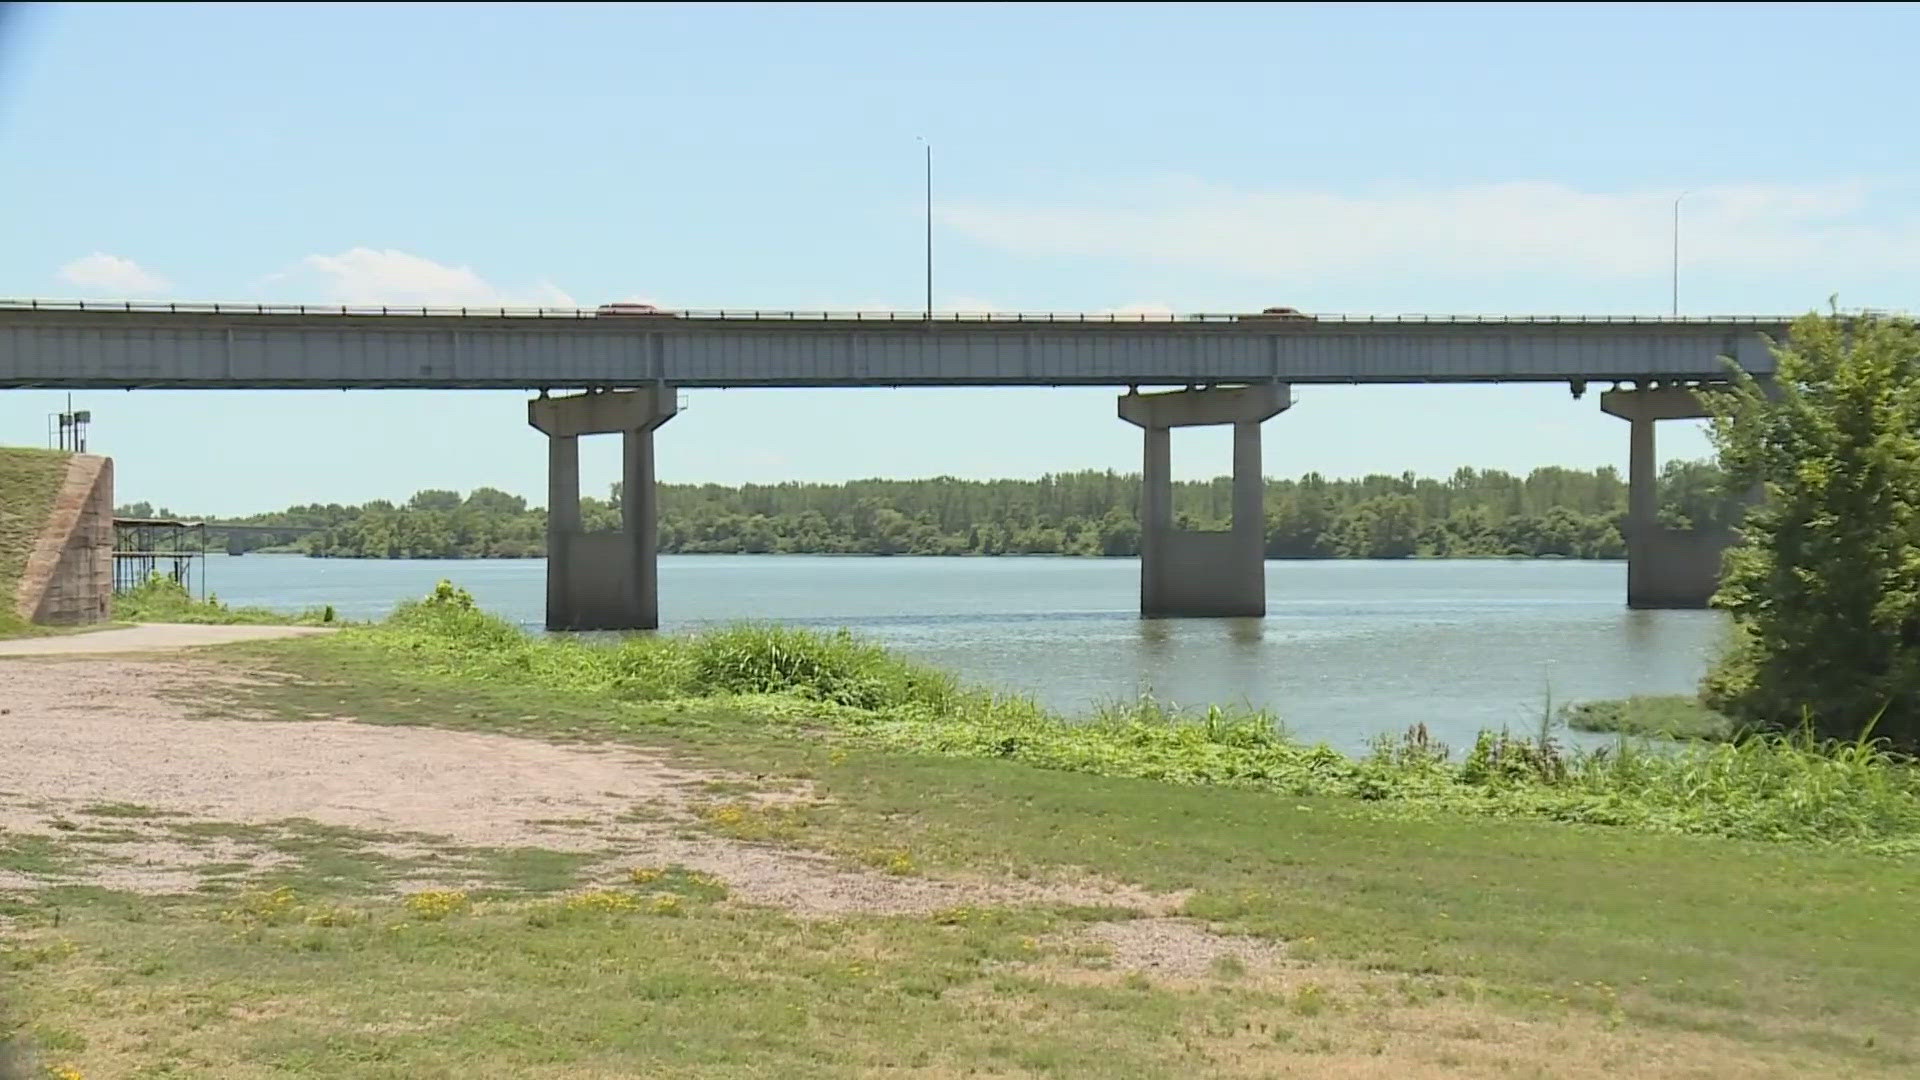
[
  {"x": 604, "y": 580},
  {"x": 1666, "y": 568},
  {"x": 1184, "y": 573}
]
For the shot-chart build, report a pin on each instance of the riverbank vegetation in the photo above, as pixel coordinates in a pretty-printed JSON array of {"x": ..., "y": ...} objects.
[
  {"x": 1760, "y": 788},
  {"x": 1662, "y": 717},
  {"x": 1551, "y": 512},
  {"x": 163, "y": 600}
]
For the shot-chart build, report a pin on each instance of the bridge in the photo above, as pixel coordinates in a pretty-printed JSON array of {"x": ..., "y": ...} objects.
[
  {"x": 617, "y": 370},
  {"x": 237, "y": 535},
  {"x": 79, "y": 345}
]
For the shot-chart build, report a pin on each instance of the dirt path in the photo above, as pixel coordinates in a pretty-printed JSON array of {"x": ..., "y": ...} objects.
[
  {"x": 149, "y": 637},
  {"x": 79, "y": 734}
]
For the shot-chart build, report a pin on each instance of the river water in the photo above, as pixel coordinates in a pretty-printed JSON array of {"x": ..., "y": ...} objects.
[{"x": 1348, "y": 649}]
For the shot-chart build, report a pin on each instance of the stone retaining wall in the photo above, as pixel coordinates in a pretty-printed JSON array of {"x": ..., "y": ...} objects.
[{"x": 69, "y": 576}]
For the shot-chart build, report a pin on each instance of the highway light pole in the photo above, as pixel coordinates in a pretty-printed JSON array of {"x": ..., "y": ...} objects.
[
  {"x": 1676, "y": 252},
  {"x": 929, "y": 228}
]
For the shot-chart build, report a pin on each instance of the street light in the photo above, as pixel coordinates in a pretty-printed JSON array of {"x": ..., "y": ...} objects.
[
  {"x": 1676, "y": 251},
  {"x": 929, "y": 146}
]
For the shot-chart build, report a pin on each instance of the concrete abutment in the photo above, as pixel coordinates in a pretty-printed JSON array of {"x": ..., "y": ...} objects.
[{"x": 68, "y": 576}]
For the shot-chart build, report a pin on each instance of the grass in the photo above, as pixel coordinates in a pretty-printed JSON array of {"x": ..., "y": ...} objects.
[
  {"x": 11, "y": 626},
  {"x": 1420, "y": 936},
  {"x": 163, "y": 600},
  {"x": 1661, "y": 717},
  {"x": 1440, "y": 945},
  {"x": 300, "y": 855},
  {"x": 29, "y": 482},
  {"x": 610, "y": 982}
]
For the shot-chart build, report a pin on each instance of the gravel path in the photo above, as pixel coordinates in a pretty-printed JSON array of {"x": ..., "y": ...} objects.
[
  {"x": 102, "y": 731},
  {"x": 82, "y": 731},
  {"x": 149, "y": 637}
]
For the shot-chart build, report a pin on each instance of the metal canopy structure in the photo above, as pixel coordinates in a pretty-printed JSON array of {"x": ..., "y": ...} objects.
[
  {"x": 144, "y": 548},
  {"x": 214, "y": 346}
]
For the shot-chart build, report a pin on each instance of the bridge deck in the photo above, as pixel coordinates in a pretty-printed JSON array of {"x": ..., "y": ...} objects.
[{"x": 132, "y": 345}]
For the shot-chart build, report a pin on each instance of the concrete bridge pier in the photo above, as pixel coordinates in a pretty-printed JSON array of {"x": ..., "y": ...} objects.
[
  {"x": 602, "y": 580},
  {"x": 1666, "y": 568},
  {"x": 1185, "y": 573}
]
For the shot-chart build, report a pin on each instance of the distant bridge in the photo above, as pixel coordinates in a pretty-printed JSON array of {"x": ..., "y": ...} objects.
[{"x": 236, "y": 533}]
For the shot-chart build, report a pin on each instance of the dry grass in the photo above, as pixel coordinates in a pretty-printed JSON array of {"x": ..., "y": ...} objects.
[{"x": 1282, "y": 1017}]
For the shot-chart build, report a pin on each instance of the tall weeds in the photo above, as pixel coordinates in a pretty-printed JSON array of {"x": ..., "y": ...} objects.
[
  {"x": 1792, "y": 787},
  {"x": 162, "y": 599}
]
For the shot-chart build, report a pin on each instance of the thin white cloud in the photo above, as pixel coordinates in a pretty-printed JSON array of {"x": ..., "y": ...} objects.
[
  {"x": 100, "y": 272},
  {"x": 367, "y": 276},
  {"x": 1514, "y": 227}
]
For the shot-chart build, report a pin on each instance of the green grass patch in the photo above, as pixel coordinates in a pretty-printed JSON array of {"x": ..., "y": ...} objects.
[
  {"x": 164, "y": 600},
  {"x": 126, "y": 810},
  {"x": 628, "y": 981},
  {"x": 305, "y": 856},
  {"x": 522, "y": 870},
  {"x": 12, "y": 626},
  {"x": 1661, "y": 717},
  {"x": 40, "y": 856},
  {"x": 312, "y": 858},
  {"x": 659, "y": 976}
]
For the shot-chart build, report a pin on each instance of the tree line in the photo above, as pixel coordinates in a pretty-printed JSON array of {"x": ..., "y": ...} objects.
[{"x": 1550, "y": 512}]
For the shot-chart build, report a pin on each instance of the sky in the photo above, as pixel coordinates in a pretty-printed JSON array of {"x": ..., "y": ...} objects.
[{"x": 1353, "y": 158}]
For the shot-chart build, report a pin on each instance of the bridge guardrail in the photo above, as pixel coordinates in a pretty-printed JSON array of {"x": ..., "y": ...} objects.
[{"x": 166, "y": 307}]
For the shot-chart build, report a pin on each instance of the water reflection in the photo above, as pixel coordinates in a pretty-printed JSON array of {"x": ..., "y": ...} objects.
[{"x": 1245, "y": 631}]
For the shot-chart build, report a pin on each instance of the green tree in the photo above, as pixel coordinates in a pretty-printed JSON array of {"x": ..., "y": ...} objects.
[
  {"x": 1695, "y": 495},
  {"x": 486, "y": 500},
  {"x": 1383, "y": 527},
  {"x": 1825, "y": 588},
  {"x": 1119, "y": 533}
]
